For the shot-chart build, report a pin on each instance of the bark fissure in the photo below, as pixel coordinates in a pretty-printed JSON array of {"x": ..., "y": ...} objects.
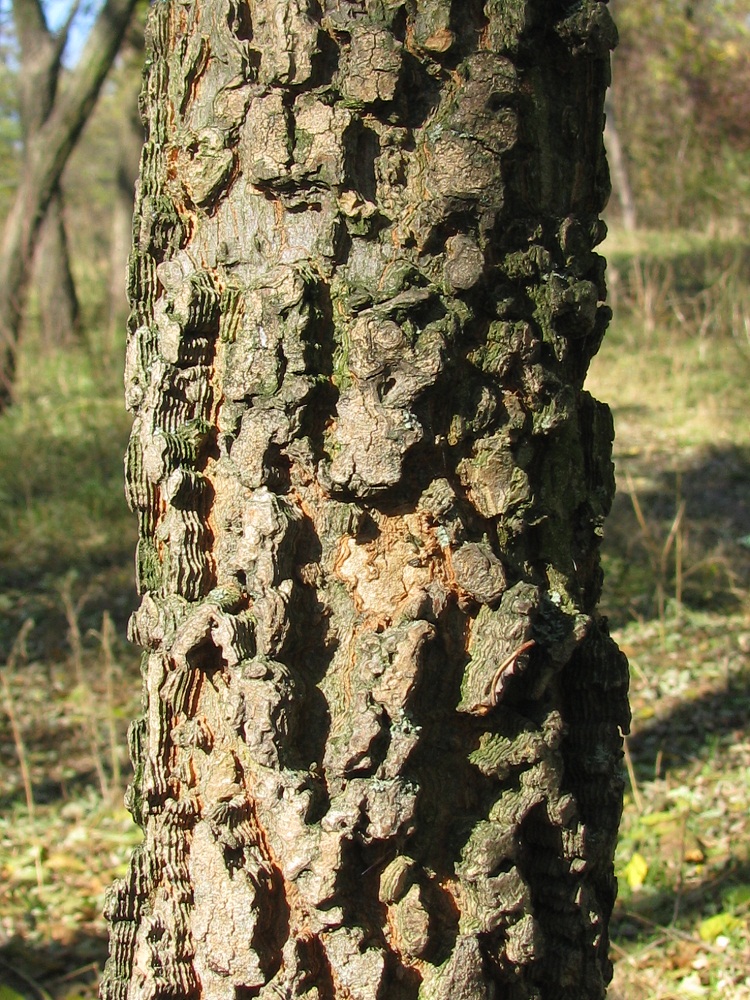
[{"x": 381, "y": 745}]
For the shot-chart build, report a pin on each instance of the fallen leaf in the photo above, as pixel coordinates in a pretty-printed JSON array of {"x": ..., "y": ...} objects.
[
  {"x": 635, "y": 871},
  {"x": 721, "y": 923},
  {"x": 657, "y": 818},
  {"x": 691, "y": 986}
]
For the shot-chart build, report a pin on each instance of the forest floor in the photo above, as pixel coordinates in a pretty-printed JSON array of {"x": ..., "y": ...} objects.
[{"x": 676, "y": 368}]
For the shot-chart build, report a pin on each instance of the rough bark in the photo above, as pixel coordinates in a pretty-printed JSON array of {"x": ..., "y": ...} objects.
[
  {"x": 45, "y": 154},
  {"x": 381, "y": 745}
]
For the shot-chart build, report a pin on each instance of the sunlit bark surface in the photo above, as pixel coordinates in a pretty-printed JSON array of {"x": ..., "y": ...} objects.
[{"x": 380, "y": 751}]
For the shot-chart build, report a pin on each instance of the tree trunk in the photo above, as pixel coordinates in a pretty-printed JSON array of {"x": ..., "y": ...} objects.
[
  {"x": 381, "y": 748},
  {"x": 58, "y": 302},
  {"x": 620, "y": 176},
  {"x": 39, "y": 73}
]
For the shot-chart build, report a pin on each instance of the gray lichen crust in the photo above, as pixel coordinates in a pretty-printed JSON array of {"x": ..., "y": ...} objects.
[{"x": 380, "y": 748}]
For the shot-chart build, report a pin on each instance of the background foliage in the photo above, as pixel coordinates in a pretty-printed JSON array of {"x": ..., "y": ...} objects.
[
  {"x": 675, "y": 367},
  {"x": 681, "y": 97}
]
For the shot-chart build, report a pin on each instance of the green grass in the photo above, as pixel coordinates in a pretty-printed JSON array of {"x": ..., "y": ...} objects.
[
  {"x": 62, "y": 510},
  {"x": 680, "y": 398}
]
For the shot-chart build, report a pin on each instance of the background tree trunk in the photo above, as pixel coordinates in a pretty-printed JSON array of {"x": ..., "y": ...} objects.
[
  {"x": 380, "y": 754},
  {"x": 39, "y": 74},
  {"x": 59, "y": 312},
  {"x": 46, "y": 151},
  {"x": 620, "y": 177}
]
